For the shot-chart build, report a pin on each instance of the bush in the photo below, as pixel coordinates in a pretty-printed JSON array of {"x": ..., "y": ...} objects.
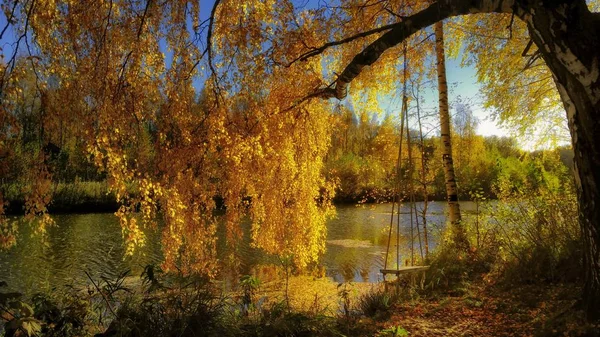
[
  {"x": 280, "y": 320},
  {"x": 174, "y": 306},
  {"x": 43, "y": 315},
  {"x": 164, "y": 305},
  {"x": 449, "y": 269},
  {"x": 526, "y": 237},
  {"x": 377, "y": 303}
]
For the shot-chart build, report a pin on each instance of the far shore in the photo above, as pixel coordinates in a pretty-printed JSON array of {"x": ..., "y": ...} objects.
[{"x": 94, "y": 197}]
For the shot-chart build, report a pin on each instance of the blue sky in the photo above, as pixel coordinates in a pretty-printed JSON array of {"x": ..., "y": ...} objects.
[
  {"x": 463, "y": 87},
  {"x": 462, "y": 82}
]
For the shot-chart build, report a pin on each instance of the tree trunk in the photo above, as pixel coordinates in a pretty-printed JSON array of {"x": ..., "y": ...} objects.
[
  {"x": 458, "y": 231},
  {"x": 423, "y": 177},
  {"x": 568, "y": 36}
]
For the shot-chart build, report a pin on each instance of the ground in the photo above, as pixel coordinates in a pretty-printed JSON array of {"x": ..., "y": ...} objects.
[
  {"x": 477, "y": 308},
  {"x": 492, "y": 310}
]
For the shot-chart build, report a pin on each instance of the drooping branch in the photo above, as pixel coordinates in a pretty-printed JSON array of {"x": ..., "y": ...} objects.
[{"x": 436, "y": 12}]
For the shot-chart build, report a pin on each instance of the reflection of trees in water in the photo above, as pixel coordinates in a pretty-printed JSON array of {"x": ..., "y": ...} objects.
[
  {"x": 93, "y": 242},
  {"x": 347, "y": 270},
  {"x": 356, "y": 269}
]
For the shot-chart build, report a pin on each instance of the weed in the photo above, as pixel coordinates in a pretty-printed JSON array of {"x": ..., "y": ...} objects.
[
  {"x": 395, "y": 331},
  {"x": 376, "y": 303}
]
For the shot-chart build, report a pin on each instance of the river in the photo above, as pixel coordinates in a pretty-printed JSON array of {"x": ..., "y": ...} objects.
[{"x": 356, "y": 248}]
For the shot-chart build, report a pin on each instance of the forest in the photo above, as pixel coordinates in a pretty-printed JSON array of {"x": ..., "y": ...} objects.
[{"x": 260, "y": 168}]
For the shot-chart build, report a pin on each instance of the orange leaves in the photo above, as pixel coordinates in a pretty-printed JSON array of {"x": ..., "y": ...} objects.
[
  {"x": 132, "y": 233},
  {"x": 122, "y": 81},
  {"x": 189, "y": 236}
]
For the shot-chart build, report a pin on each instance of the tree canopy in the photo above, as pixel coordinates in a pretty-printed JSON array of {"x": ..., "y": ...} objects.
[{"x": 232, "y": 106}]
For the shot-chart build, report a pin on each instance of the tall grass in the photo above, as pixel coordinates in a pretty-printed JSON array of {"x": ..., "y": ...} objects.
[
  {"x": 530, "y": 235},
  {"x": 538, "y": 236}
]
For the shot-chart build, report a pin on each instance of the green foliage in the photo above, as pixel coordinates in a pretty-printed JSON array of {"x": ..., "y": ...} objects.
[
  {"x": 73, "y": 197},
  {"x": 81, "y": 192},
  {"x": 395, "y": 331},
  {"x": 278, "y": 320},
  {"x": 18, "y": 315},
  {"x": 360, "y": 178},
  {"x": 344, "y": 293},
  {"x": 44, "y": 315},
  {"x": 195, "y": 311},
  {"x": 530, "y": 235},
  {"x": 363, "y": 158},
  {"x": 249, "y": 285},
  {"x": 193, "y": 306},
  {"x": 538, "y": 231},
  {"x": 450, "y": 269},
  {"x": 162, "y": 305},
  {"x": 64, "y": 316}
]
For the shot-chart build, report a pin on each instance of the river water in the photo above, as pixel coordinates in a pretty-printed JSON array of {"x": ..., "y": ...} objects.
[{"x": 356, "y": 248}]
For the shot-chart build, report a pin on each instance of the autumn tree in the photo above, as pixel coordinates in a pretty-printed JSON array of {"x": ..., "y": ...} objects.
[
  {"x": 269, "y": 68},
  {"x": 127, "y": 74}
]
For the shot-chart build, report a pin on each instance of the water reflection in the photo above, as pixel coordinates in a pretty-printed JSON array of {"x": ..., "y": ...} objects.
[
  {"x": 82, "y": 242},
  {"x": 356, "y": 246}
]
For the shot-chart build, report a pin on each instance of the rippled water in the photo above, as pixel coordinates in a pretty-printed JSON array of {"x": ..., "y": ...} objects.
[{"x": 356, "y": 247}]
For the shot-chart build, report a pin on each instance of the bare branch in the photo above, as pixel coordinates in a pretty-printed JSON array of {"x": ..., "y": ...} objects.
[
  {"x": 208, "y": 50},
  {"x": 139, "y": 33},
  {"x": 13, "y": 59},
  {"x": 10, "y": 18},
  {"x": 121, "y": 81},
  {"x": 526, "y": 50}
]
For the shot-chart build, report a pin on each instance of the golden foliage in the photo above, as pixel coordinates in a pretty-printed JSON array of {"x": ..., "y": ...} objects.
[
  {"x": 134, "y": 84},
  {"x": 516, "y": 83}
]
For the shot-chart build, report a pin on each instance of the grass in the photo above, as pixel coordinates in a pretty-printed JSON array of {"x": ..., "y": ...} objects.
[{"x": 174, "y": 305}]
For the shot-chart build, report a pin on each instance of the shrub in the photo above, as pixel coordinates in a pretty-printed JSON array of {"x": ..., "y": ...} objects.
[
  {"x": 376, "y": 303},
  {"x": 43, "y": 315},
  {"x": 280, "y": 320}
]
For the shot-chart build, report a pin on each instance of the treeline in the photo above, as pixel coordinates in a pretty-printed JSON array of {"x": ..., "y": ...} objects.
[
  {"x": 362, "y": 158},
  {"x": 364, "y": 154}
]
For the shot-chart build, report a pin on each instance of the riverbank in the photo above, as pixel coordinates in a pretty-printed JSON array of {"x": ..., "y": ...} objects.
[
  {"x": 303, "y": 306},
  {"x": 75, "y": 197},
  {"x": 82, "y": 197},
  {"x": 507, "y": 284}
]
